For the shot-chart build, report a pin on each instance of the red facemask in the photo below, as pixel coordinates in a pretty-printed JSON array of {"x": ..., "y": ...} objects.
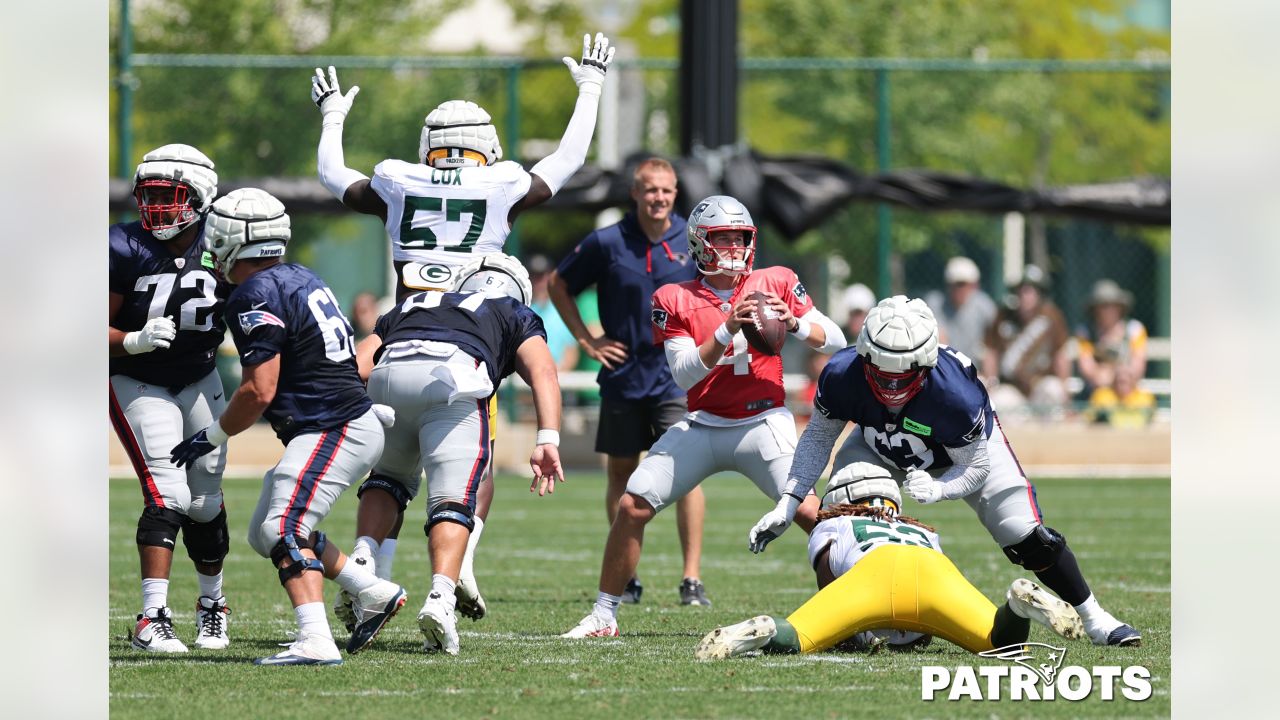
[
  {"x": 894, "y": 388},
  {"x": 163, "y": 204}
]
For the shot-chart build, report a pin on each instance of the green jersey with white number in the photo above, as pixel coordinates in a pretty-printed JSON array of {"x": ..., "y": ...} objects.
[{"x": 851, "y": 538}]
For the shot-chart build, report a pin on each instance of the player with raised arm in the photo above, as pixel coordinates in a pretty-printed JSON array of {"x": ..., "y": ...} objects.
[
  {"x": 164, "y": 328},
  {"x": 298, "y": 358},
  {"x": 437, "y": 358},
  {"x": 459, "y": 200},
  {"x": 737, "y": 416},
  {"x": 867, "y": 557},
  {"x": 925, "y": 417}
]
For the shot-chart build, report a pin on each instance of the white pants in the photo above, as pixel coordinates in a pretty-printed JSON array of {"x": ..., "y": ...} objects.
[
  {"x": 150, "y": 421},
  {"x": 316, "y": 468},
  {"x": 688, "y": 452},
  {"x": 1006, "y": 502}
]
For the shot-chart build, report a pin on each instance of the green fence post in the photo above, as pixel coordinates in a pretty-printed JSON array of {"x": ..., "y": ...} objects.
[
  {"x": 124, "y": 85},
  {"x": 507, "y": 394},
  {"x": 884, "y": 220}
]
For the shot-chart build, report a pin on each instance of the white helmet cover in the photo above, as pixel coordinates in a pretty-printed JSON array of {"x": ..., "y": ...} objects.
[
  {"x": 495, "y": 275},
  {"x": 173, "y": 185},
  {"x": 243, "y": 224},
  {"x": 861, "y": 482},
  {"x": 898, "y": 342},
  {"x": 720, "y": 212},
  {"x": 458, "y": 133}
]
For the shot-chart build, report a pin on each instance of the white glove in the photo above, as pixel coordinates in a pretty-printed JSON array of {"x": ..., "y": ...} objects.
[
  {"x": 157, "y": 333},
  {"x": 922, "y": 488},
  {"x": 385, "y": 414},
  {"x": 773, "y": 524},
  {"x": 328, "y": 96},
  {"x": 589, "y": 76}
]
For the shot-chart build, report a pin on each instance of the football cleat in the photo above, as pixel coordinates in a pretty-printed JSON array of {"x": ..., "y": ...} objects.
[
  {"x": 632, "y": 592},
  {"x": 470, "y": 602},
  {"x": 593, "y": 626},
  {"x": 342, "y": 604},
  {"x": 439, "y": 625},
  {"x": 308, "y": 649},
  {"x": 1123, "y": 636},
  {"x": 1029, "y": 600},
  {"x": 692, "y": 592},
  {"x": 374, "y": 607},
  {"x": 735, "y": 640},
  {"x": 155, "y": 634},
  {"x": 211, "y": 623}
]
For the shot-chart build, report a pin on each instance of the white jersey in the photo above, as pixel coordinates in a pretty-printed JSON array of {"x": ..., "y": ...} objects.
[
  {"x": 851, "y": 538},
  {"x": 443, "y": 217}
]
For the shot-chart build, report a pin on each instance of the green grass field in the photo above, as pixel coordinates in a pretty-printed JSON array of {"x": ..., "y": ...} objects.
[{"x": 538, "y": 566}]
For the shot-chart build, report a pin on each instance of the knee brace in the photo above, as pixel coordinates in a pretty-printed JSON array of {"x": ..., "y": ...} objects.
[
  {"x": 389, "y": 485},
  {"x": 1039, "y": 550},
  {"x": 207, "y": 542},
  {"x": 319, "y": 541},
  {"x": 288, "y": 548},
  {"x": 450, "y": 512},
  {"x": 158, "y": 527}
]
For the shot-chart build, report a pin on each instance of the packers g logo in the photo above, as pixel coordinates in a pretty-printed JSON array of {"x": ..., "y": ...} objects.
[{"x": 428, "y": 276}]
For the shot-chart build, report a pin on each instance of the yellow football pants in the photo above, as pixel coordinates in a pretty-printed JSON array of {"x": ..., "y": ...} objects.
[
  {"x": 493, "y": 417},
  {"x": 901, "y": 587}
]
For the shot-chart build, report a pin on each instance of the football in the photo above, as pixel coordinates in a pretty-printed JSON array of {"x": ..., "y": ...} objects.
[{"x": 768, "y": 332}]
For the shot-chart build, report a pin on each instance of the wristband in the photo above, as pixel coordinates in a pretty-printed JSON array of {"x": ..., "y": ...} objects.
[
  {"x": 215, "y": 434},
  {"x": 548, "y": 437},
  {"x": 803, "y": 328},
  {"x": 723, "y": 336}
]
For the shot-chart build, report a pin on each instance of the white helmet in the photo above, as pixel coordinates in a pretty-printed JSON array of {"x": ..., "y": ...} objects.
[
  {"x": 244, "y": 224},
  {"x": 495, "y": 275},
  {"x": 458, "y": 133},
  {"x": 719, "y": 213},
  {"x": 898, "y": 344},
  {"x": 862, "y": 483},
  {"x": 173, "y": 186}
]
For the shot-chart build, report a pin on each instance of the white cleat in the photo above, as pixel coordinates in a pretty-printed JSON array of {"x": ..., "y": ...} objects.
[
  {"x": 308, "y": 649},
  {"x": 470, "y": 602},
  {"x": 374, "y": 607},
  {"x": 735, "y": 640},
  {"x": 593, "y": 626},
  {"x": 155, "y": 633},
  {"x": 211, "y": 623},
  {"x": 1029, "y": 600},
  {"x": 439, "y": 625},
  {"x": 344, "y": 610}
]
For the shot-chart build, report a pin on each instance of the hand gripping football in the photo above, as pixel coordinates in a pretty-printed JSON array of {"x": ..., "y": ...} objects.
[{"x": 767, "y": 332}]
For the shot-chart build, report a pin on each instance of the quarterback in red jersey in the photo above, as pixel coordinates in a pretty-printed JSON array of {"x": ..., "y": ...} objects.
[{"x": 737, "y": 418}]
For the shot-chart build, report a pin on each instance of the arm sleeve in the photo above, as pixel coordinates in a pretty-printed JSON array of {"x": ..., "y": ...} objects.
[
  {"x": 835, "y": 336},
  {"x": 556, "y": 168},
  {"x": 334, "y": 173},
  {"x": 685, "y": 362},
  {"x": 813, "y": 452},
  {"x": 969, "y": 469}
]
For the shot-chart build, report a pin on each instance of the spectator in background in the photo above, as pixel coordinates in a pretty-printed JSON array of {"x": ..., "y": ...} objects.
[
  {"x": 858, "y": 301},
  {"x": 964, "y": 312},
  {"x": 564, "y": 349},
  {"x": 1112, "y": 338},
  {"x": 364, "y": 314},
  {"x": 1117, "y": 400},
  {"x": 1026, "y": 364}
]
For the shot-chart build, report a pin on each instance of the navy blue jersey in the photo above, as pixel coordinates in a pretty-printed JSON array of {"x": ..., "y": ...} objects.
[
  {"x": 951, "y": 410},
  {"x": 286, "y": 310},
  {"x": 626, "y": 269},
  {"x": 156, "y": 283},
  {"x": 488, "y": 329}
]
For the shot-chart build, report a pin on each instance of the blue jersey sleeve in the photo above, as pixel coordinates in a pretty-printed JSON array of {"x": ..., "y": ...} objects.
[
  {"x": 963, "y": 413},
  {"x": 528, "y": 324},
  {"x": 581, "y": 268},
  {"x": 122, "y": 266},
  {"x": 257, "y": 324},
  {"x": 833, "y": 398}
]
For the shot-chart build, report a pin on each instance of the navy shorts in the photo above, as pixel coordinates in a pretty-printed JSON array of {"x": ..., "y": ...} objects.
[{"x": 629, "y": 427}]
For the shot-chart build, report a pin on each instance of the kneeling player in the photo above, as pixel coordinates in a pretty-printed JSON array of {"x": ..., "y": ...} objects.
[{"x": 876, "y": 570}]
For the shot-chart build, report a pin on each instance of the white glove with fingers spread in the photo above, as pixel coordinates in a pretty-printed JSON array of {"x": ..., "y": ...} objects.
[
  {"x": 774, "y": 523},
  {"x": 327, "y": 95},
  {"x": 922, "y": 488},
  {"x": 156, "y": 334},
  {"x": 589, "y": 76}
]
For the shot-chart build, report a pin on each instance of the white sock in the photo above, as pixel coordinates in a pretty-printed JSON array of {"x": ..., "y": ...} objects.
[
  {"x": 353, "y": 578},
  {"x": 1094, "y": 616},
  {"x": 311, "y": 619},
  {"x": 155, "y": 593},
  {"x": 386, "y": 557},
  {"x": 365, "y": 547},
  {"x": 606, "y": 605},
  {"x": 210, "y": 585},
  {"x": 469, "y": 557},
  {"x": 444, "y": 585}
]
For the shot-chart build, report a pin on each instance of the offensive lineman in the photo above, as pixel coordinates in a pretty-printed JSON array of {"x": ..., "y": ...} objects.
[
  {"x": 926, "y": 418},
  {"x": 457, "y": 201},
  {"x": 297, "y": 353},
  {"x": 737, "y": 418},
  {"x": 165, "y": 325},
  {"x": 868, "y": 558},
  {"x": 436, "y": 359}
]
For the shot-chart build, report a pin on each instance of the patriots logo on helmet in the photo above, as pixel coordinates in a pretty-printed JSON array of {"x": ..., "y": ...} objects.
[
  {"x": 257, "y": 318},
  {"x": 660, "y": 318}
]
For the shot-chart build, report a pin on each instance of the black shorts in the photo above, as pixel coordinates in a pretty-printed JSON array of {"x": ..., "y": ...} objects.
[{"x": 627, "y": 428}]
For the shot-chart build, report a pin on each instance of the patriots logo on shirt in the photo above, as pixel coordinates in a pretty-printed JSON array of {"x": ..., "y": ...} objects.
[
  {"x": 257, "y": 318},
  {"x": 660, "y": 318},
  {"x": 799, "y": 291}
]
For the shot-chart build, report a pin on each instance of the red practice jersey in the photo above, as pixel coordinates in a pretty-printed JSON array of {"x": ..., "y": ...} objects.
[{"x": 743, "y": 383}]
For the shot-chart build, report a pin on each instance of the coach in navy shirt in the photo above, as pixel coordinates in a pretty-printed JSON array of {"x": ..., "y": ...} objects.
[{"x": 639, "y": 400}]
